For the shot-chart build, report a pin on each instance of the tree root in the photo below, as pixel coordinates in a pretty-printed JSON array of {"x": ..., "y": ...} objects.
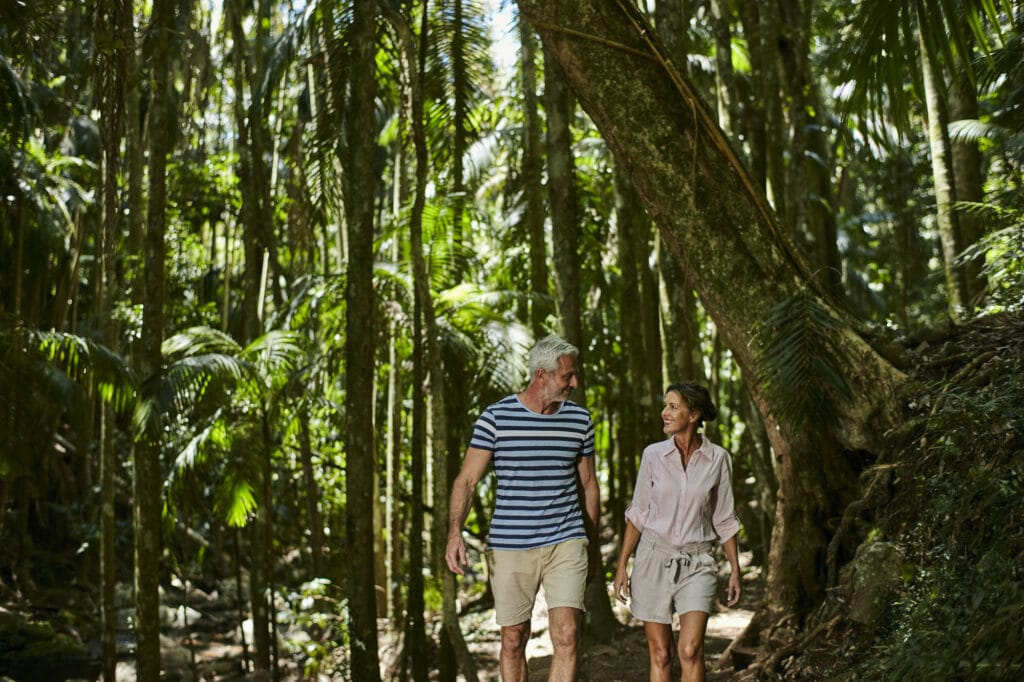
[
  {"x": 768, "y": 667},
  {"x": 875, "y": 495}
]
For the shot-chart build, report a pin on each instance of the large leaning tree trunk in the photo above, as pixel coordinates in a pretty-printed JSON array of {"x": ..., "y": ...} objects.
[{"x": 717, "y": 225}]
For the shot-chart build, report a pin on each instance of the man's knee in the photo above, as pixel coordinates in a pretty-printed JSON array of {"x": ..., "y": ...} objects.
[
  {"x": 515, "y": 637},
  {"x": 565, "y": 630}
]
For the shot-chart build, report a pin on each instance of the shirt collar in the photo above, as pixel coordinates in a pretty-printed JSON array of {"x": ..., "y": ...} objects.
[{"x": 668, "y": 447}]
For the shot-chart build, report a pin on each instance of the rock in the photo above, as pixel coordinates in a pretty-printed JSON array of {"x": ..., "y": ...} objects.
[
  {"x": 874, "y": 577},
  {"x": 175, "y": 660}
]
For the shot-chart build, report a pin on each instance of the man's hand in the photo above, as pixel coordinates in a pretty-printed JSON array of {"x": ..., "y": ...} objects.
[{"x": 455, "y": 554}]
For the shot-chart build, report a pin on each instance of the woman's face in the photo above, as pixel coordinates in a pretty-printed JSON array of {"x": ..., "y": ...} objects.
[{"x": 677, "y": 416}]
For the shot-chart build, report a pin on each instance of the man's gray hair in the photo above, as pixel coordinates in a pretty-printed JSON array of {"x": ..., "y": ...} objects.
[{"x": 546, "y": 353}]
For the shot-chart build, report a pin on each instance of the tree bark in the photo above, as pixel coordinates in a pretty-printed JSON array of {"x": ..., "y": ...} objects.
[
  {"x": 969, "y": 179},
  {"x": 721, "y": 231},
  {"x": 565, "y": 229},
  {"x": 460, "y": 138},
  {"x": 112, "y": 21},
  {"x": 533, "y": 215},
  {"x": 725, "y": 79},
  {"x": 160, "y": 126},
  {"x": 311, "y": 496},
  {"x": 360, "y": 301}
]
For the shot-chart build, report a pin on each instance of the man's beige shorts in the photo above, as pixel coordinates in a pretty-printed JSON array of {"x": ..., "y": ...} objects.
[
  {"x": 667, "y": 580},
  {"x": 517, "y": 574}
]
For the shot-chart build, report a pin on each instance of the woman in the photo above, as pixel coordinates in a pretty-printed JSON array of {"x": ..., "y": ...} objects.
[{"x": 682, "y": 504}]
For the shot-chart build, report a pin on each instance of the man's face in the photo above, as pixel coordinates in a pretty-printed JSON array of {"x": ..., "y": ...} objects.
[{"x": 559, "y": 384}]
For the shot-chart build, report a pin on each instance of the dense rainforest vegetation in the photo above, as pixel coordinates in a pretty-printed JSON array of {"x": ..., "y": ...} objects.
[{"x": 263, "y": 262}]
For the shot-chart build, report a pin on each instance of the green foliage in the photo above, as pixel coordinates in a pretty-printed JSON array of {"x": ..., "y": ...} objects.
[
  {"x": 316, "y": 626},
  {"x": 1003, "y": 264},
  {"x": 962, "y": 525},
  {"x": 799, "y": 354}
]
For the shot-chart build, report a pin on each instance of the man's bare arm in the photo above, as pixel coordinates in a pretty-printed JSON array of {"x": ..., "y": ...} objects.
[
  {"x": 591, "y": 509},
  {"x": 474, "y": 466}
]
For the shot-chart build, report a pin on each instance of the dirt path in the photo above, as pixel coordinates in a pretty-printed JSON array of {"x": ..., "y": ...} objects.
[{"x": 622, "y": 660}]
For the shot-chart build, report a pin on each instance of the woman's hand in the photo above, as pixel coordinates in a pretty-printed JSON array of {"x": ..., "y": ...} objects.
[
  {"x": 621, "y": 585},
  {"x": 734, "y": 588}
]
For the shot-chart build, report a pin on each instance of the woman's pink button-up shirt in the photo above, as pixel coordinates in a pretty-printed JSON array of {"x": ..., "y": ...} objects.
[{"x": 679, "y": 506}]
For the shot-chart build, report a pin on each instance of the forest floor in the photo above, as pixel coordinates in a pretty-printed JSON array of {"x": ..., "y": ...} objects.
[
  {"x": 624, "y": 659},
  {"x": 210, "y": 649}
]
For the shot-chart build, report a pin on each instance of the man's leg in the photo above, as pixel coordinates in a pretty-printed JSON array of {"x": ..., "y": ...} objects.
[
  {"x": 564, "y": 627},
  {"x": 512, "y": 661}
]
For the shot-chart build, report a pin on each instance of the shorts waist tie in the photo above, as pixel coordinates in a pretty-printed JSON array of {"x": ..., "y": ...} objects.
[{"x": 678, "y": 557}]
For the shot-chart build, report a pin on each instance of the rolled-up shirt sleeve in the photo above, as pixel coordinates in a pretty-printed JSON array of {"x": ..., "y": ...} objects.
[
  {"x": 640, "y": 507},
  {"x": 724, "y": 517}
]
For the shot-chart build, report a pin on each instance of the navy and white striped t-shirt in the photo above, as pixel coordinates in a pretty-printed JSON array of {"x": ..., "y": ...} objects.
[{"x": 535, "y": 457}]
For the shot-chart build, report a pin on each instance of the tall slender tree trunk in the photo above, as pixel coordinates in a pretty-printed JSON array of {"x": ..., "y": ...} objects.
[
  {"x": 312, "y": 496},
  {"x": 628, "y": 213},
  {"x": 460, "y": 142},
  {"x": 682, "y": 356},
  {"x": 968, "y": 172},
  {"x": 792, "y": 48},
  {"x": 414, "y": 66},
  {"x": 393, "y": 514},
  {"x": 134, "y": 151},
  {"x": 360, "y": 300},
  {"x": 110, "y": 17},
  {"x": 161, "y": 123},
  {"x": 533, "y": 216},
  {"x": 755, "y": 116},
  {"x": 672, "y": 21},
  {"x": 681, "y": 352},
  {"x": 565, "y": 229},
  {"x": 416, "y": 634},
  {"x": 942, "y": 173},
  {"x": 725, "y": 79},
  {"x": 256, "y": 211},
  {"x": 821, "y": 213}
]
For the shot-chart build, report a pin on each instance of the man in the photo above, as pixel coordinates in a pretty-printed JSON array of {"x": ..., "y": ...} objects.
[{"x": 539, "y": 441}]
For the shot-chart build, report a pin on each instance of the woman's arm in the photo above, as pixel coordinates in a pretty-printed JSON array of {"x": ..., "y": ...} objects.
[
  {"x": 630, "y": 539},
  {"x": 731, "y": 547}
]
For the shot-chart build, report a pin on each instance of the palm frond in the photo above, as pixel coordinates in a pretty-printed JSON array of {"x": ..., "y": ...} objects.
[
  {"x": 277, "y": 352},
  {"x": 880, "y": 55},
  {"x": 973, "y": 130},
  {"x": 798, "y": 355},
  {"x": 193, "y": 453},
  {"x": 183, "y": 386},
  {"x": 237, "y": 501},
  {"x": 199, "y": 341},
  {"x": 80, "y": 357}
]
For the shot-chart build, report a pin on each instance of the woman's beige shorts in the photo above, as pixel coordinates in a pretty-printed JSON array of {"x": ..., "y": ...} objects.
[
  {"x": 517, "y": 574},
  {"x": 667, "y": 580}
]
